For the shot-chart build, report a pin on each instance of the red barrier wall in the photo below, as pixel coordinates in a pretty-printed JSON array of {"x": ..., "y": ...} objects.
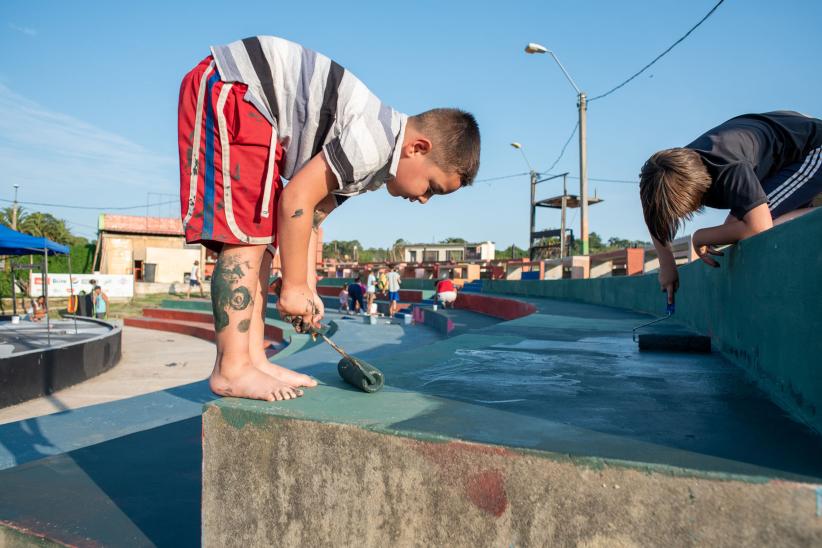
[
  {"x": 188, "y": 322},
  {"x": 498, "y": 307}
]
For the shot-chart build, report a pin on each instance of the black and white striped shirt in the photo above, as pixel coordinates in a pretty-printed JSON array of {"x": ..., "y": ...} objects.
[{"x": 316, "y": 105}]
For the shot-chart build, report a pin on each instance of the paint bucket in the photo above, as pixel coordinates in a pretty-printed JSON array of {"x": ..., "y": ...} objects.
[
  {"x": 407, "y": 319},
  {"x": 433, "y": 307},
  {"x": 15, "y": 319},
  {"x": 372, "y": 320}
]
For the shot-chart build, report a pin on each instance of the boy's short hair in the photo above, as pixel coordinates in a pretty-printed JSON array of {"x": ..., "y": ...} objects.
[
  {"x": 671, "y": 185},
  {"x": 455, "y": 136}
]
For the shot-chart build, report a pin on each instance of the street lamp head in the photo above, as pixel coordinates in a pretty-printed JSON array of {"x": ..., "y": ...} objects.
[
  {"x": 533, "y": 47},
  {"x": 514, "y": 144}
]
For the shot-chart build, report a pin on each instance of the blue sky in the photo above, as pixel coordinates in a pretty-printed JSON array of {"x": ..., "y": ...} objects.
[{"x": 88, "y": 95}]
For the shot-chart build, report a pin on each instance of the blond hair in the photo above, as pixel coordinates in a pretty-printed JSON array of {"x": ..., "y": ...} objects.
[
  {"x": 671, "y": 185},
  {"x": 455, "y": 136}
]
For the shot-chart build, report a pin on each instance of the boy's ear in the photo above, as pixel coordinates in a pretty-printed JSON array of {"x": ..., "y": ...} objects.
[{"x": 419, "y": 145}]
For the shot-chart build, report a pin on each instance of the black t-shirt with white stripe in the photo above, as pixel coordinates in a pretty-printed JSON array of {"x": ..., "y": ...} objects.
[{"x": 744, "y": 151}]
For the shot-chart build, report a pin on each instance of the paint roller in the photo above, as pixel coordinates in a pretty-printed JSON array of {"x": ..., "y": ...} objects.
[
  {"x": 670, "y": 342},
  {"x": 353, "y": 370}
]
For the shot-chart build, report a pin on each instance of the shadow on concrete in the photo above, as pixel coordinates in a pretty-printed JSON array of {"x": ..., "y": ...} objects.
[{"x": 140, "y": 489}]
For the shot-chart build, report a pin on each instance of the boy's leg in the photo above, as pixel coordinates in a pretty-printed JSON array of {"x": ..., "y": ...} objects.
[
  {"x": 233, "y": 288},
  {"x": 256, "y": 333}
]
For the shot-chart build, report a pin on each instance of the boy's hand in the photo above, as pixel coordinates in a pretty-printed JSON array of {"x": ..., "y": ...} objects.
[
  {"x": 300, "y": 302},
  {"x": 669, "y": 281},
  {"x": 705, "y": 250}
]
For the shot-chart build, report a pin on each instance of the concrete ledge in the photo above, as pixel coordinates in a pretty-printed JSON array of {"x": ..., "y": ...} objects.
[
  {"x": 28, "y": 375},
  {"x": 497, "y": 307},
  {"x": 761, "y": 308},
  {"x": 434, "y": 319},
  {"x": 272, "y": 478}
]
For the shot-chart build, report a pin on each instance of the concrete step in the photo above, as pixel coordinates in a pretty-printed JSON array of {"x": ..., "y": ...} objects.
[{"x": 199, "y": 329}]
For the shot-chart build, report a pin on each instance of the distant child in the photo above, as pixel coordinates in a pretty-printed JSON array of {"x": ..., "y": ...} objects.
[
  {"x": 261, "y": 108},
  {"x": 393, "y": 291},
  {"x": 100, "y": 303},
  {"x": 382, "y": 281},
  {"x": 446, "y": 291},
  {"x": 343, "y": 299},
  {"x": 194, "y": 279},
  {"x": 371, "y": 289},
  {"x": 355, "y": 293},
  {"x": 37, "y": 311},
  {"x": 765, "y": 168}
]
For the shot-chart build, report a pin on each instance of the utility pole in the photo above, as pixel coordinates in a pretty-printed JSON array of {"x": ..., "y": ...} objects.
[
  {"x": 14, "y": 209},
  {"x": 583, "y": 172},
  {"x": 533, "y": 215}
]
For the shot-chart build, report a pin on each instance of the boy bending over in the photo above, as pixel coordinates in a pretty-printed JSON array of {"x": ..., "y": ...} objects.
[
  {"x": 765, "y": 168},
  {"x": 264, "y": 108}
]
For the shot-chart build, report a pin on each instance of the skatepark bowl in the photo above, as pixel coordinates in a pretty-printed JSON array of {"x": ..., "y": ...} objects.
[{"x": 527, "y": 416}]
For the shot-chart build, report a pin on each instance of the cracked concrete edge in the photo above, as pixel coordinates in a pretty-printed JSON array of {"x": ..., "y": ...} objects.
[
  {"x": 289, "y": 481},
  {"x": 233, "y": 415}
]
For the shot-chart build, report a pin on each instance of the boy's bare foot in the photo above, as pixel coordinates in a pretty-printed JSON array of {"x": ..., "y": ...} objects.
[
  {"x": 292, "y": 378},
  {"x": 247, "y": 381}
]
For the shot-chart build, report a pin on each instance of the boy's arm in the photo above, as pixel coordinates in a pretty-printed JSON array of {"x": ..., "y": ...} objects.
[
  {"x": 323, "y": 209},
  {"x": 755, "y": 221},
  {"x": 668, "y": 275},
  {"x": 299, "y": 199}
]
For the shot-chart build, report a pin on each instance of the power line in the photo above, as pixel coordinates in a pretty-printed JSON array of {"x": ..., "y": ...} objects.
[
  {"x": 501, "y": 177},
  {"x": 660, "y": 56},
  {"x": 561, "y": 152},
  {"x": 100, "y": 208}
]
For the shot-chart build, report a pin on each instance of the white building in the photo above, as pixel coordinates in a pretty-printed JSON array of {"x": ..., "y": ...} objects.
[{"x": 457, "y": 252}]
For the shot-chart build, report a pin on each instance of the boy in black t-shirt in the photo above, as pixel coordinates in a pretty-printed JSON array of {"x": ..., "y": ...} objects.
[{"x": 766, "y": 168}]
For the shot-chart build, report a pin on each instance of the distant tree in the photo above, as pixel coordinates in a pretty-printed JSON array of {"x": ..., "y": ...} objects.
[
  {"x": 511, "y": 252},
  {"x": 454, "y": 241},
  {"x": 42, "y": 225}
]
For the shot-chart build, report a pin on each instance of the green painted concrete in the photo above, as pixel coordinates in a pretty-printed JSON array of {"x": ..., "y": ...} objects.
[
  {"x": 762, "y": 308},
  {"x": 566, "y": 383}
]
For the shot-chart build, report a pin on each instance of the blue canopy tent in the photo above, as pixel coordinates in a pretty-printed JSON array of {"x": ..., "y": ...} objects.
[{"x": 17, "y": 243}]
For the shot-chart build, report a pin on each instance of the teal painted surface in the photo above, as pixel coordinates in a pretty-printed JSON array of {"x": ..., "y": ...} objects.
[
  {"x": 762, "y": 308},
  {"x": 415, "y": 283},
  {"x": 335, "y": 282},
  {"x": 186, "y": 305}
]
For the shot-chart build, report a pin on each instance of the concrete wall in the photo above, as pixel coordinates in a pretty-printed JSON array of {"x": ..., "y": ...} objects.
[
  {"x": 279, "y": 481},
  {"x": 762, "y": 308},
  {"x": 172, "y": 264}
]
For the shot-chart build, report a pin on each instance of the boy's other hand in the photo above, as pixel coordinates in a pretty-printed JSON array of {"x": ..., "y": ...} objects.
[
  {"x": 669, "y": 282},
  {"x": 705, "y": 250},
  {"x": 300, "y": 302}
]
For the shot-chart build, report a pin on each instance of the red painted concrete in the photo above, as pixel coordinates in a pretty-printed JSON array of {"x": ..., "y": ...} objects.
[
  {"x": 186, "y": 322},
  {"x": 498, "y": 307},
  {"x": 183, "y": 315},
  {"x": 487, "y": 491}
]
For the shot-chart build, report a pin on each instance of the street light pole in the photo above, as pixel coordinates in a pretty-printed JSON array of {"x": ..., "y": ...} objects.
[
  {"x": 14, "y": 209},
  {"x": 583, "y": 172},
  {"x": 533, "y": 174},
  {"x": 582, "y": 105}
]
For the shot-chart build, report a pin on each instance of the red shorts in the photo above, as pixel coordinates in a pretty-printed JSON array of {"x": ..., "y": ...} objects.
[{"x": 229, "y": 163}]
